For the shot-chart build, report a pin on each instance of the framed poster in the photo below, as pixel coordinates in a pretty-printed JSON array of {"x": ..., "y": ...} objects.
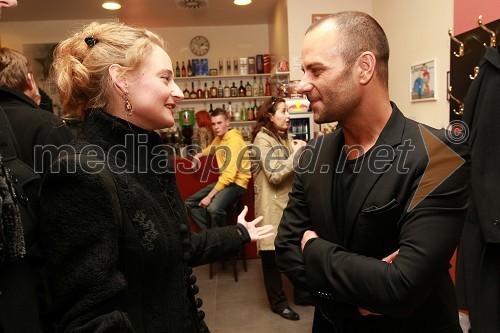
[{"x": 423, "y": 81}]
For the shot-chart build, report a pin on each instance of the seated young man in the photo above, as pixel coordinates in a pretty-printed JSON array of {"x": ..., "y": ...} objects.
[{"x": 234, "y": 167}]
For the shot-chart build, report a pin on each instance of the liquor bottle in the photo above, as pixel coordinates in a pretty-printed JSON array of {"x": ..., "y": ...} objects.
[
  {"x": 255, "y": 109},
  {"x": 227, "y": 91},
  {"x": 241, "y": 90},
  {"x": 248, "y": 89},
  {"x": 220, "y": 90},
  {"x": 211, "y": 109},
  {"x": 189, "y": 69},
  {"x": 230, "y": 112},
  {"x": 177, "y": 69},
  {"x": 243, "y": 112},
  {"x": 237, "y": 114},
  {"x": 250, "y": 112},
  {"x": 183, "y": 70},
  {"x": 186, "y": 91},
  {"x": 206, "y": 92},
  {"x": 193, "y": 94},
  {"x": 199, "y": 92},
  {"x": 261, "y": 87},
  {"x": 213, "y": 91},
  {"x": 255, "y": 87},
  {"x": 268, "y": 87},
  {"x": 233, "y": 90}
]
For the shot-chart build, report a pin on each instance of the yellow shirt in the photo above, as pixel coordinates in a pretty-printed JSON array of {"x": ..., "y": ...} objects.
[{"x": 233, "y": 160}]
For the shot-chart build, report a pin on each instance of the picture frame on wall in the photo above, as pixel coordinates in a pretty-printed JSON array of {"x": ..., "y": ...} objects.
[{"x": 423, "y": 81}]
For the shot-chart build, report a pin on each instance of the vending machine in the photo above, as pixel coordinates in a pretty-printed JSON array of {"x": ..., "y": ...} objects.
[{"x": 301, "y": 120}]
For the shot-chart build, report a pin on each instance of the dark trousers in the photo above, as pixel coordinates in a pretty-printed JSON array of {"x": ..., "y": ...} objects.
[{"x": 273, "y": 281}]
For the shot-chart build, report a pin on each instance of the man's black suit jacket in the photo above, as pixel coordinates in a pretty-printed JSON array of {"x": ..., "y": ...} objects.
[{"x": 411, "y": 194}]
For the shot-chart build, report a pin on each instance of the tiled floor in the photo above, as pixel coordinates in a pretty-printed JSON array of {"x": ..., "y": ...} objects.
[{"x": 242, "y": 307}]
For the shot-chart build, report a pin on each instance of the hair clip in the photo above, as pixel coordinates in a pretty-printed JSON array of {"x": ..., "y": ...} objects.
[{"x": 91, "y": 41}]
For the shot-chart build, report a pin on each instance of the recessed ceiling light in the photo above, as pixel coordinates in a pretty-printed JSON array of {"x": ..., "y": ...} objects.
[
  {"x": 242, "y": 2},
  {"x": 111, "y": 5}
]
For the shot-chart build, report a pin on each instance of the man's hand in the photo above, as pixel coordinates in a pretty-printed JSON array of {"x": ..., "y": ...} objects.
[
  {"x": 307, "y": 236},
  {"x": 464, "y": 322},
  {"x": 205, "y": 202},
  {"x": 297, "y": 144},
  {"x": 388, "y": 260}
]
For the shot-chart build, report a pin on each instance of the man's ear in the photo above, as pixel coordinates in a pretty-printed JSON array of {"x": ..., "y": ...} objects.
[
  {"x": 366, "y": 65},
  {"x": 119, "y": 78},
  {"x": 30, "y": 82}
]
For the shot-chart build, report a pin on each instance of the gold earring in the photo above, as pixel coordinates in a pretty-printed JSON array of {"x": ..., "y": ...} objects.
[{"x": 129, "y": 110}]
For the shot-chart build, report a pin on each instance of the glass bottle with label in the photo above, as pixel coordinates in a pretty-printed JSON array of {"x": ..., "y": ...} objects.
[
  {"x": 243, "y": 112},
  {"x": 189, "y": 68},
  {"x": 220, "y": 90},
  {"x": 248, "y": 89},
  {"x": 261, "y": 87},
  {"x": 230, "y": 111},
  {"x": 233, "y": 90},
  {"x": 250, "y": 111},
  {"x": 241, "y": 90},
  {"x": 255, "y": 109},
  {"x": 206, "y": 92},
  {"x": 213, "y": 90},
  {"x": 227, "y": 91},
  {"x": 255, "y": 87},
  {"x": 186, "y": 91},
  {"x": 268, "y": 87},
  {"x": 192, "y": 93},
  {"x": 183, "y": 70},
  {"x": 199, "y": 92},
  {"x": 177, "y": 69}
]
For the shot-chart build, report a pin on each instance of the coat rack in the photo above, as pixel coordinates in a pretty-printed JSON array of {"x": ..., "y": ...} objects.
[{"x": 466, "y": 51}]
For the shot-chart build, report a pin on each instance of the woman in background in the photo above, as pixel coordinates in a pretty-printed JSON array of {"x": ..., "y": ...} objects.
[
  {"x": 275, "y": 152},
  {"x": 114, "y": 229},
  {"x": 205, "y": 133}
]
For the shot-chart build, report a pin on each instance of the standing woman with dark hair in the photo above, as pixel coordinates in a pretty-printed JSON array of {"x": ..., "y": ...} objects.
[
  {"x": 275, "y": 152},
  {"x": 205, "y": 133},
  {"x": 114, "y": 228}
]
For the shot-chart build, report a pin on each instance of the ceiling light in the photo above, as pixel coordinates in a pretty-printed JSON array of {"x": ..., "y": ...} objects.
[
  {"x": 111, "y": 5},
  {"x": 191, "y": 4},
  {"x": 242, "y": 2}
]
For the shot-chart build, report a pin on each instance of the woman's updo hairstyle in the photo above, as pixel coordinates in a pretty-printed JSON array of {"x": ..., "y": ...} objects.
[{"x": 81, "y": 62}]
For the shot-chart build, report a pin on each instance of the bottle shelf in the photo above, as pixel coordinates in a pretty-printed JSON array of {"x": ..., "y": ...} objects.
[
  {"x": 217, "y": 77},
  {"x": 220, "y": 99}
]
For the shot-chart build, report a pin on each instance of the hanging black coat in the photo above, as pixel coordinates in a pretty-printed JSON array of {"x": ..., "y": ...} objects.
[{"x": 478, "y": 265}]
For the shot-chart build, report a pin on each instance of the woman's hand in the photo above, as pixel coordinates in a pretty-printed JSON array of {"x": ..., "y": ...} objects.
[{"x": 256, "y": 233}]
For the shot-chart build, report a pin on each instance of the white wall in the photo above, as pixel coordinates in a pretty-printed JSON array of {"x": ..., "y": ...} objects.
[
  {"x": 300, "y": 18},
  {"x": 417, "y": 32},
  {"x": 15, "y": 34},
  {"x": 225, "y": 41}
]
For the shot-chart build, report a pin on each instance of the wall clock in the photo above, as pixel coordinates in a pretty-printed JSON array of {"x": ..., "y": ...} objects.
[{"x": 199, "y": 45}]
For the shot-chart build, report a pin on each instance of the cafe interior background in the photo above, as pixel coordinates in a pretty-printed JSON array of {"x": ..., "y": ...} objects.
[
  {"x": 417, "y": 32},
  {"x": 421, "y": 33}
]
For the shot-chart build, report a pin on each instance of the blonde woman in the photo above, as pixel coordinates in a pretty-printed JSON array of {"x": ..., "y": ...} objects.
[{"x": 114, "y": 229}]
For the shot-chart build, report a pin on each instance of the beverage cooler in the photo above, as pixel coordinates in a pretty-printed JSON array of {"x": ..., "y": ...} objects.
[{"x": 301, "y": 120}]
